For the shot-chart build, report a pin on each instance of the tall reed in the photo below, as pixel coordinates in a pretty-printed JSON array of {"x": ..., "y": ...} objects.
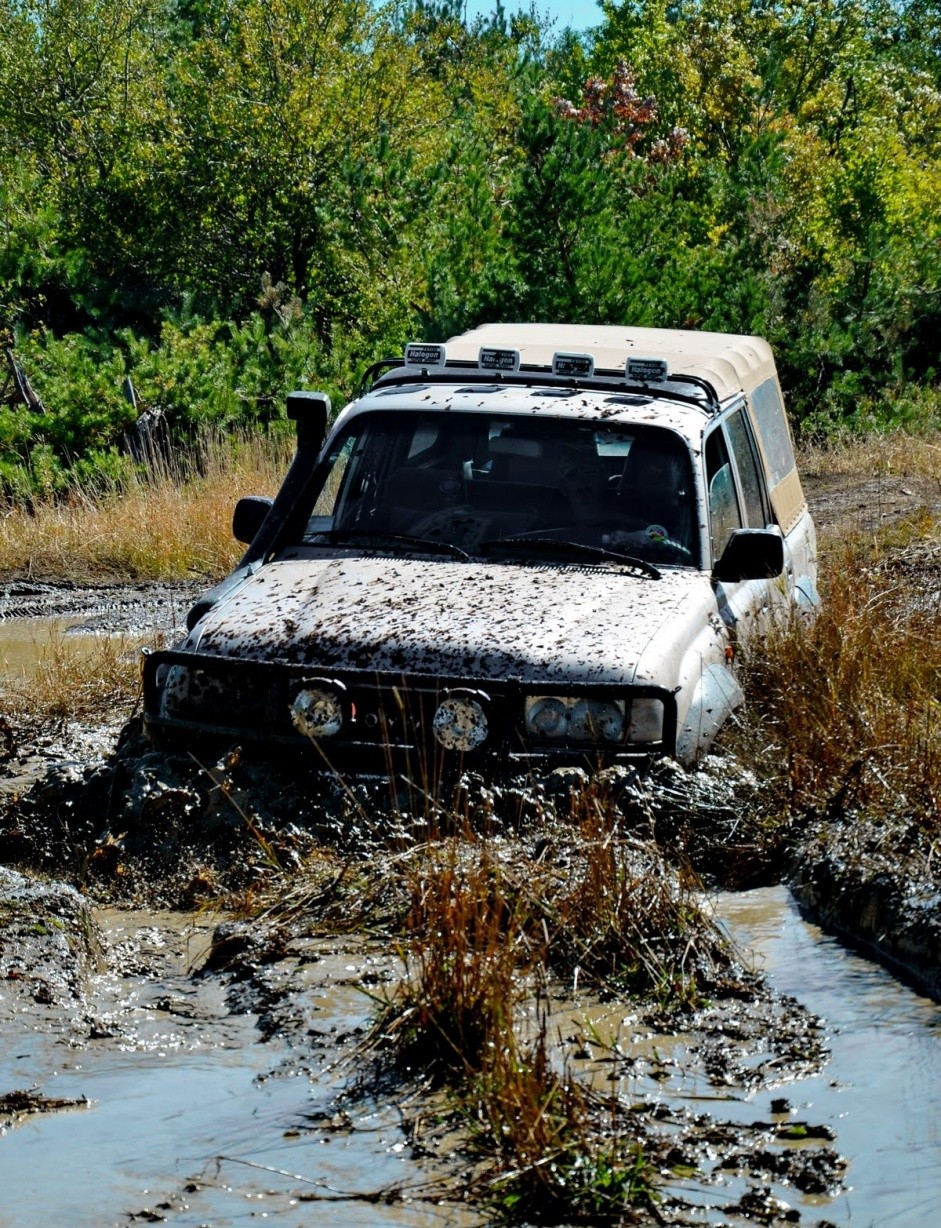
[
  {"x": 484, "y": 931},
  {"x": 846, "y": 710}
]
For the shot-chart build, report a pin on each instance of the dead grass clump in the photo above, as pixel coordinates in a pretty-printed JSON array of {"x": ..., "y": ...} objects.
[
  {"x": 467, "y": 950},
  {"x": 895, "y": 454},
  {"x": 476, "y": 945},
  {"x": 165, "y": 525},
  {"x": 852, "y": 702},
  {"x": 557, "y": 1152},
  {"x": 621, "y": 917}
]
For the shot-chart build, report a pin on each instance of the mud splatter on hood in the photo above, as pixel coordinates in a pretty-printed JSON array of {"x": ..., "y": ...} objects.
[{"x": 449, "y": 618}]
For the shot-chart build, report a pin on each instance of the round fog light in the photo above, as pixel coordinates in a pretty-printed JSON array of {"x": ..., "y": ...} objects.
[
  {"x": 460, "y": 723},
  {"x": 317, "y": 713}
]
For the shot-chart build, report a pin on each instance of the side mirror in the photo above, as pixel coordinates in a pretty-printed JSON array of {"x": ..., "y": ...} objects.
[
  {"x": 751, "y": 554},
  {"x": 249, "y": 516}
]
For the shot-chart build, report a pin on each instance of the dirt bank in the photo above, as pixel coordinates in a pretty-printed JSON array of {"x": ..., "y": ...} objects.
[{"x": 877, "y": 889}]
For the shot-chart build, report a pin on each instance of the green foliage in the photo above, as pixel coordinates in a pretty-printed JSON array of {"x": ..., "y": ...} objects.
[
  {"x": 196, "y": 374},
  {"x": 814, "y": 163},
  {"x": 387, "y": 173}
]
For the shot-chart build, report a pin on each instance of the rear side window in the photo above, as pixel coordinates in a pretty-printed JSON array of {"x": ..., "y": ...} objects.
[{"x": 770, "y": 419}]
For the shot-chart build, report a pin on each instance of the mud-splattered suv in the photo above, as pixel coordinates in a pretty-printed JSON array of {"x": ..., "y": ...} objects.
[{"x": 535, "y": 542}]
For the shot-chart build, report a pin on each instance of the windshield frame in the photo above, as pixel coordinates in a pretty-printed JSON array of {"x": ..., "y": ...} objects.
[{"x": 400, "y": 452}]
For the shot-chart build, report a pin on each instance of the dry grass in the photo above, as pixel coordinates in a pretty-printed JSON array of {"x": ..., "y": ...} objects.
[
  {"x": 852, "y": 703},
  {"x": 845, "y": 713},
  {"x": 556, "y": 1151},
  {"x": 620, "y": 917},
  {"x": 467, "y": 951},
  {"x": 175, "y": 524},
  {"x": 171, "y": 526},
  {"x": 478, "y": 944},
  {"x": 487, "y": 921},
  {"x": 896, "y": 454},
  {"x": 78, "y": 677}
]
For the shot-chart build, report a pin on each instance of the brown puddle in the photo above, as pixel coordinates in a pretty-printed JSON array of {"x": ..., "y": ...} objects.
[
  {"x": 25, "y": 641},
  {"x": 195, "y": 1119}
]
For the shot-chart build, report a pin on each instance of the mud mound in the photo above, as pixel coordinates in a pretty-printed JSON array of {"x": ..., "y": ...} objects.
[
  {"x": 49, "y": 941},
  {"x": 147, "y": 825},
  {"x": 877, "y": 892}
]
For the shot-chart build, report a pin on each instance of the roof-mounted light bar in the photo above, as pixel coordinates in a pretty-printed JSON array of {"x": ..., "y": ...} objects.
[
  {"x": 573, "y": 366},
  {"x": 647, "y": 370},
  {"x": 426, "y": 355},
  {"x": 506, "y": 362},
  {"x": 430, "y": 359}
]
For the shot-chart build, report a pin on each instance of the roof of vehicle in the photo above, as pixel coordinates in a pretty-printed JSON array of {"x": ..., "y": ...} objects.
[
  {"x": 676, "y": 378},
  {"x": 460, "y": 395},
  {"x": 729, "y": 362}
]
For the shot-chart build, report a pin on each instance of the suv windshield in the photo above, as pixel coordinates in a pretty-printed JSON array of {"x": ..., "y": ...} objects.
[{"x": 470, "y": 479}]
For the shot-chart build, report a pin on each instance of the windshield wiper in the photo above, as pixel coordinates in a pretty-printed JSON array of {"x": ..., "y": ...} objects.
[
  {"x": 552, "y": 545},
  {"x": 427, "y": 545}
]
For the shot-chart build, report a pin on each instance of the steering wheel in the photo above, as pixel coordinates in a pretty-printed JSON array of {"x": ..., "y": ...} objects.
[{"x": 461, "y": 525}]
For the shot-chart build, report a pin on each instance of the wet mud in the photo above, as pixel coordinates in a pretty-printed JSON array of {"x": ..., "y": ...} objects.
[
  {"x": 208, "y": 1069},
  {"x": 142, "y": 828},
  {"x": 109, "y": 608},
  {"x": 878, "y": 891}
]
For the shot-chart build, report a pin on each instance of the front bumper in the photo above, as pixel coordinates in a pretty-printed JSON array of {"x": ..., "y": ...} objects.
[{"x": 388, "y": 719}]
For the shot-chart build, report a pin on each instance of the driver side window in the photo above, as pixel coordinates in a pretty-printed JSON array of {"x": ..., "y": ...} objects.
[{"x": 724, "y": 513}]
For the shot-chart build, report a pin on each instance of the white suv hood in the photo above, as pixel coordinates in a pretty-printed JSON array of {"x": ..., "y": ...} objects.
[{"x": 455, "y": 619}]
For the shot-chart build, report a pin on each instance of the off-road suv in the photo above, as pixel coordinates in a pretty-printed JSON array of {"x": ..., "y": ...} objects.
[{"x": 532, "y": 542}]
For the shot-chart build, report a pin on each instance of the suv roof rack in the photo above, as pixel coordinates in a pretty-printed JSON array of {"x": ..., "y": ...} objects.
[{"x": 391, "y": 371}]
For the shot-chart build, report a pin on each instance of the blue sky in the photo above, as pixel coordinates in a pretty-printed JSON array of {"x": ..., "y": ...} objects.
[{"x": 579, "y": 14}]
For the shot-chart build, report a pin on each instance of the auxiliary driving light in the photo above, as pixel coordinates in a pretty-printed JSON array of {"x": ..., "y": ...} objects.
[
  {"x": 317, "y": 712},
  {"x": 460, "y": 723}
]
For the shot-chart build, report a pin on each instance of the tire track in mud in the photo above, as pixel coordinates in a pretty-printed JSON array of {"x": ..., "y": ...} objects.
[{"x": 108, "y": 608}]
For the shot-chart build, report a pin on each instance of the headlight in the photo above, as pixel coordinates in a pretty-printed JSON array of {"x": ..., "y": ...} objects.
[
  {"x": 547, "y": 717},
  {"x": 646, "y": 721},
  {"x": 317, "y": 712},
  {"x": 597, "y": 720},
  {"x": 460, "y": 723},
  {"x": 560, "y": 718}
]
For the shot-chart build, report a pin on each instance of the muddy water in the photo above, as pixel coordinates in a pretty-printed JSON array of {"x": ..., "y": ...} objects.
[
  {"x": 76, "y": 620},
  {"x": 194, "y": 1119},
  {"x": 197, "y": 1119},
  {"x": 25, "y": 641},
  {"x": 881, "y": 1091}
]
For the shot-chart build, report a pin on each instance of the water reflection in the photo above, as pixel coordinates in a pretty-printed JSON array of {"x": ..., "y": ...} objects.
[
  {"x": 218, "y": 1127},
  {"x": 881, "y": 1090}
]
